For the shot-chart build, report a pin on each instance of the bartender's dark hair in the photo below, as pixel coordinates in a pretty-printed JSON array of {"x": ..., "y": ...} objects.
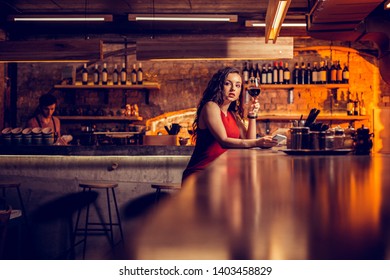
[
  {"x": 214, "y": 92},
  {"x": 47, "y": 100}
]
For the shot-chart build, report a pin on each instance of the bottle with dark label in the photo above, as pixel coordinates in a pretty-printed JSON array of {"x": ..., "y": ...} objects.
[
  {"x": 245, "y": 73},
  {"x": 308, "y": 75},
  {"x": 339, "y": 73},
  {"x": 281, "y": 73},
  {"x": 140, "y": 74},
  {"x": 269, "y": 74},
  {"x": 133, "y": 75},
  {"x": 296, "y": 74},
  {"x": 96, "y": 75},
  {"x": 115, "y": 75},
  {"x": 345, "y": 74},
  {"x": 286, "y": 74},
  {"x": 350, "y": 104},
  {"x": 104, "y": 74},
  {"x": 123, "y": 74},
  {"x": 275, "y": 73},
  {"x": 333, "y": 74},
  {"x": 263, "y": 75},
  {"x": 302, "y": 74},
  {"x": 84, "y": 75}
]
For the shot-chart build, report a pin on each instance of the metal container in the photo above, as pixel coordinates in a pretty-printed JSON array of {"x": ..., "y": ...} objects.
[
  {"x": 299, "y": 138},
  {"x": 317, "y": 140}
]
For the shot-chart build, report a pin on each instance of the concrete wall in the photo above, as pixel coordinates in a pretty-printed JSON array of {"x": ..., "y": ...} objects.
[{"x": 47, "y": 181}]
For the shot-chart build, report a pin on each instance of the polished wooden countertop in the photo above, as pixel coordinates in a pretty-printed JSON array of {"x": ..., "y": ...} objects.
[{"x": 261, "y": 204}]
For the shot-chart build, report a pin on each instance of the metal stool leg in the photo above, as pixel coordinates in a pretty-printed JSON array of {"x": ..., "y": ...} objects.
[{"x": 118, "y": 215}]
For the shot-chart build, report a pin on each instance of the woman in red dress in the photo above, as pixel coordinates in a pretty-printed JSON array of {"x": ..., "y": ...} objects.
[{"x": 218, "y": 124}]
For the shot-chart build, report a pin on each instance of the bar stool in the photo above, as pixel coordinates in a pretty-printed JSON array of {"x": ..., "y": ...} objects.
[
  {"x": 164, "y": 186},
  {"x": 101, "y": 226},
  {"x": 5, "y": 186}
]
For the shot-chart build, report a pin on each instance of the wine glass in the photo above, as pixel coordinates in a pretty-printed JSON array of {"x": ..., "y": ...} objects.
[{"x": 254, "y": 92}]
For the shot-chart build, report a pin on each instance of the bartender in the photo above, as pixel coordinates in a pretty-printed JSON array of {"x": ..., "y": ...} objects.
[{"x": 43, "y": 117}]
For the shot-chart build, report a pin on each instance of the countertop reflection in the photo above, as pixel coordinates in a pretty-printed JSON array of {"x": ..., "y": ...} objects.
[{"x": 256, "y": 204}]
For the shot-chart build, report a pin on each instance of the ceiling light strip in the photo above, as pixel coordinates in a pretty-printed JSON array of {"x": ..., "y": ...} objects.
[{"x": 183, "y": 17}]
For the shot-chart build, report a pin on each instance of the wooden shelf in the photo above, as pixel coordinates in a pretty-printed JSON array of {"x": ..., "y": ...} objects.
[
  {"x": 145, "y": 85},
  {"x": 145, "y": 88},
  {"x": 99, "y": 118},
  {"x": 288, "y": 86}
]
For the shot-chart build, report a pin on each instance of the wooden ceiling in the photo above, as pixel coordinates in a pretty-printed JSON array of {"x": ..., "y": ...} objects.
[{"x": 120, "y": 26}]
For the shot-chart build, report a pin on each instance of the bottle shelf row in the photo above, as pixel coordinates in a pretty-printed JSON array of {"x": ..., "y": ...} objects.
[
  {"x": 145, "y": 85},
  {"x": 298, "y": 86}
]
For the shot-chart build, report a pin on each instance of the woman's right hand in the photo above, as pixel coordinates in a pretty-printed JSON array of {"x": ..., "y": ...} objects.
[{"x": 266, "y": 142}]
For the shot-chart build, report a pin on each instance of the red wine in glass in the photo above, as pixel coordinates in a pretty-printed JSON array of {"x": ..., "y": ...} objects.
[{"x": 254, "y": 92}]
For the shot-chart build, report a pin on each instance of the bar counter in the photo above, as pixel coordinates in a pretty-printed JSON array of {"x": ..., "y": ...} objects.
[
  {"x": 107, "y": 150},
  {"x": 264, "y": 204}
]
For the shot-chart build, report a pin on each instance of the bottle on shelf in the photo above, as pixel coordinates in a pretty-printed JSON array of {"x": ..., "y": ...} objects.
[
  {"x": 269, "y": 74},
  {"x": 345, "y": 74},
  {"x": 356, "y": 104},
  {"x": 263, "y": 75},
  {"x": 350, "y": 104},
  {"x": 309, "y": 74},
  {"x": 96, "y": 75},
  {"x": 258, "y": 74},
  {"x": 286, "y": 74},
  {"x": 327, "y": 66},
  {"x": 245, "y": 73},
  {"x": 84, "y": 75},
  {"x": 140, "y": 74},
  {"x": 115, "y": 75},
  {"x": 314, "y": 74},
  {"x": 296, "y": 74},
  {"x": 133, "y": 75},
  {"x": 323, "y": 74},
  {"x": 333, "y": 74},
  {"x": 123, "y": 74},
  {"x": 104, "y": 74},
  {"x": 275, "y": 73},
  {"x": 281, "y": 73},
  {"x": 302, "y": 74},
  {"x": 339, "y": 73}
]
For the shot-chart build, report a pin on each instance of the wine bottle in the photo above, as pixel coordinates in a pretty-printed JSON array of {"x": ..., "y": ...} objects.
[
  {"x": 123, "y": 74},
  {"x": 275, "y": 73},
  {"x": 302, "y": 74},
  {"x": 345, "y": 74},
  {"x": 323, "y": 73},
  {"x": 296, "y": 74},
  {"x": 286, "y": 74},
  {"x": 269, "y": 74},
  {"x": 245, "y": 73},
  {"x": 314, "y": 74},
  {"x": 356, "y": 106},
  {"x": 308, "y": 74},
  {"x": 257, "y": 74},
  {"x": 339, "y": 73},
  {"x": 349, "y": 104},
  {"x": 84, "y": 75},
  {"x": 140, "y": 74},
  {"x": 133, "y": 75},
  {"x": 115, "y": 75},
  {"x": 96, "y": 75},
  {"x": 263, "y": 75},
  {"x": 104, "y": 74},
  {"x": 333, "y": 74},
  {"x": 281, "y": 73}
]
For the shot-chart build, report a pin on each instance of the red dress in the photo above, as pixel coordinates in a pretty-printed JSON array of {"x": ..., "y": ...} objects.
[{"x": 207, "y": 147}]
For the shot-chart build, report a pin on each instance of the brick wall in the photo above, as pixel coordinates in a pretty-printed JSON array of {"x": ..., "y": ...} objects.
[{"x": 182, "y": 84}]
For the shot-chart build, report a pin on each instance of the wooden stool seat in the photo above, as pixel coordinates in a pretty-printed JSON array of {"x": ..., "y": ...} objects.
[
  {"x": 4, "y": 185},
  {"x": 101, "y": 226}
]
